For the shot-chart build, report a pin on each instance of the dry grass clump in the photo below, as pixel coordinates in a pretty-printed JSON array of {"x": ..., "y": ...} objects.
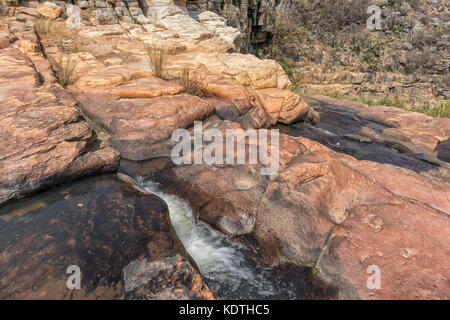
[
  {"x": 56, "y": 32},
  {"x": 64, "y": 68},
  {"x": 47, "y": 28},
  {"x": 157, "y": 58},
  {"x": 191, "y": 82},
  {"x": 43, "y": 26}
]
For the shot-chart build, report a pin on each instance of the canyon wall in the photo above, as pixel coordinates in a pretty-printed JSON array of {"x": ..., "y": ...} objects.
[{"x": 254, "y": 18}]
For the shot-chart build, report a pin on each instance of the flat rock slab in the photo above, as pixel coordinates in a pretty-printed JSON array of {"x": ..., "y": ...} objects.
[
  {"x": 43, "y": 137},
  {"x": 105, "y": 227},
  {"x": 139, "y": 126}
]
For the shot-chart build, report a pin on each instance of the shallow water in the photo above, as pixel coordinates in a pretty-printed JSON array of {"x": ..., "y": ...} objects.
[{"x": 225, "y": 265}]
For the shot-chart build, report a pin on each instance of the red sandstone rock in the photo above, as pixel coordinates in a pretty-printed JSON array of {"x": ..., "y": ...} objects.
[
  {"x": 138, "y": 125},
  {"x": 43, "y": 137},
  {"x": 49, "y": 10},
  {"x": 334, "y": 213},
  {"x": 414, "y": 132}
]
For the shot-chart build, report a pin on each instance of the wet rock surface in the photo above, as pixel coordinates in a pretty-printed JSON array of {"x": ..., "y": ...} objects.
[
  {"x": 333, "y": 212},
  {"x": 381, "y": 134},
  {"x": 164, "y": 279},
  {"x": 103, "y": 226}
]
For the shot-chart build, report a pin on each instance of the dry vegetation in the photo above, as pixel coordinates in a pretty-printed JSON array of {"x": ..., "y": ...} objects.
[
  {"x": 56, "y": 33},
  {"x": 64, "y": 68},
  {"x": 191, "y": 82},
  {"x": 49, "y": 29},
  {"x": 331, "y": 36},
  {"x": 157, "y": 58}
]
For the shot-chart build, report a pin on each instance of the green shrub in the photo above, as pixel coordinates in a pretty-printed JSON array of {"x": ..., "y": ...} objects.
[
  {"x": 373, "y": 52},
  {"x": 397, "y": 26}
]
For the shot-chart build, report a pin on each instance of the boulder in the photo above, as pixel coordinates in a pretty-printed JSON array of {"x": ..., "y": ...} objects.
[
  {"x": 282, "y": 106},
  {"x": 138, "y": 125},
  {"x": 49, "y": 10}
]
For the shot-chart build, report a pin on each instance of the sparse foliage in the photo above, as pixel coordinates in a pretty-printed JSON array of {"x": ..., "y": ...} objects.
[
  {"x": 191, "y": 82},
  {"x": 373, "y": 52},
  {"x": 157, "y": 57},
  {"x": 64, "y": 69},
  {"x": 47, "y": 28}
]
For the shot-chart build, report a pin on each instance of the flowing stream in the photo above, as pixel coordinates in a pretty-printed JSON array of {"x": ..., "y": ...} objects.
[{"x": 224, "y": 264}]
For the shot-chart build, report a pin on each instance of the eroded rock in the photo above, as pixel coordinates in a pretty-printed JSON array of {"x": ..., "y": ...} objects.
[
  {"x": 44, "y": 139},
  {"x": 49, "y": 10},
  {"x": 332, "y": 212}
]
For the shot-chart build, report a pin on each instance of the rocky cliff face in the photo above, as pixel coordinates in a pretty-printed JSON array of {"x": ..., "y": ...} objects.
[{"x": 254, "y": 18}]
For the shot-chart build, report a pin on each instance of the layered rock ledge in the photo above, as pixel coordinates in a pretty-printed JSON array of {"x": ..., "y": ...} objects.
[
  {"x": 115, "y": 86},
  {"x": 43, "y": 137}
]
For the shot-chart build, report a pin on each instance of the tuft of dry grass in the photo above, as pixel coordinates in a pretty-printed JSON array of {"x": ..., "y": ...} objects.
[
  {"x": 44, "y": 26},
  {"x": 191, "y": 82},
  {"x": 157, "y": 58},
  {"x": 64, "y": 68},
  {"x": 47, "y": 28}
]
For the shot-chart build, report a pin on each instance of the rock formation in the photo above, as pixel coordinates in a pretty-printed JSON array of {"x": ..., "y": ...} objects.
[
  {"x": 332, "y": 212},
  {"x": 386, "y": 204},
  {"x": 43, "y": 137}
]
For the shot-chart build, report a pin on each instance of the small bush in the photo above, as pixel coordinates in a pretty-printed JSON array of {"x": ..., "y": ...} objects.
[
  {"x": 135, "y": 21},
  {"x": 397, "y": 26},
  {"x": 373, "y": 52},
  {"x": 64, "y": 68},
  {"x": 43, "y": 26},
  {"x": 356, "y": 46},
  {"x": 191, "y": 82},
  {"x": 157, "y": 57}
]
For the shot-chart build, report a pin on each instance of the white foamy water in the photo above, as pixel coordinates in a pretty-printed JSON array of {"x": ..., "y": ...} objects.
[{"x": 221, "y": 262}]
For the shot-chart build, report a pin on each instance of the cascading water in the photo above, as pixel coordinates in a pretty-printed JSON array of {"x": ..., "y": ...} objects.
[{"x": 223, "y": 263}]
